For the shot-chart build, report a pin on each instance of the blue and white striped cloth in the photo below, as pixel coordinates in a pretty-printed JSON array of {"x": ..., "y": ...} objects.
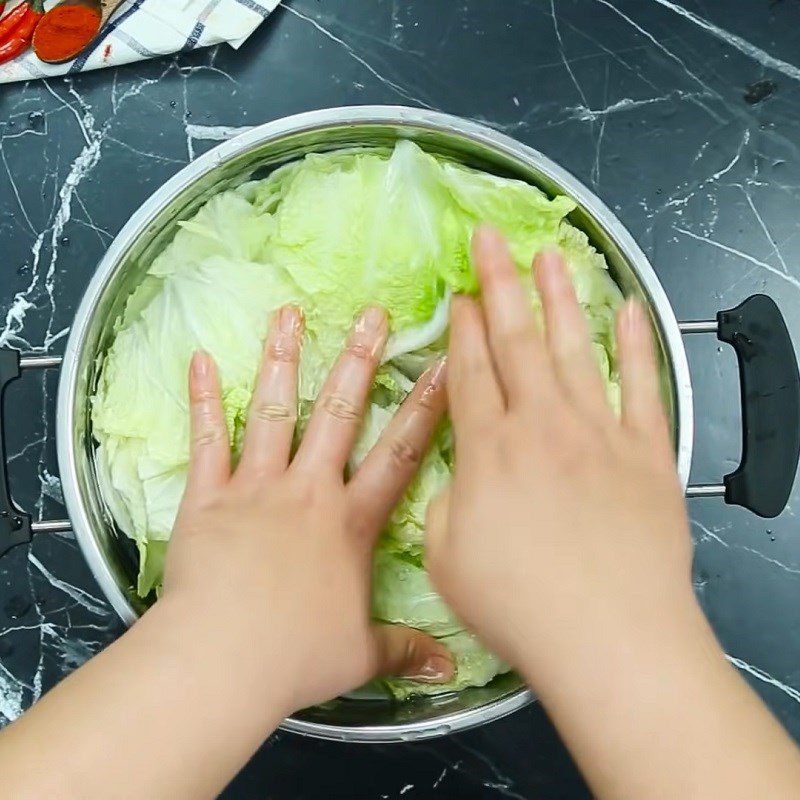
[{"x": 142, "y": 29}]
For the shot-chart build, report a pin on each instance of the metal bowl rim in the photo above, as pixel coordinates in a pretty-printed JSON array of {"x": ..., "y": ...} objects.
[{"x": 397, "y": 116}]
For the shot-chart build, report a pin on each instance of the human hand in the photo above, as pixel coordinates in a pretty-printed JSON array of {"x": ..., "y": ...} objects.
[
  {"x": 274, "y": 558},
  {"x": 564, "y": 531}
]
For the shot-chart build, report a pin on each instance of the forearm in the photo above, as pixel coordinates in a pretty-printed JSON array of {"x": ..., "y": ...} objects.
[
  {"x": 165, "y": 712},
  {"x": 666, "y": 716}
]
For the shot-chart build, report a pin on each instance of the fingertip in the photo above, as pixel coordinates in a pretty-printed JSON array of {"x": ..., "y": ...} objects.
[
  {"x": 373, "y": 319},
  {"x": 633, "y": 331},
  {"x": 638, "y": 366},
  {"x": 484, "y": 237},
  {"x": 490, "y": 252},
  {"x": 549, "y": 266},
  {"x": 434, "y": 664},
  {"x": 631, "y": 321},
  {"x": 438, "y": 669},
  {"x": 427, "y": 660},
  {"x": 202, "y": 373},
  {"x": 200, "y": 365},
  {"x": 289, "y": 320}
]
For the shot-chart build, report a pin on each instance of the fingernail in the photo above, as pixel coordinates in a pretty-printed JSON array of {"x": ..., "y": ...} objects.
[
  {"x": 632, "y": 317},
  {"x": 289, "y": 319},
  {"x": 435, "y": 669},
  {"x": 438, "y": 374},
  {"x": 486, "y": 234},
  {"x": 372, "y": 320},
  {"x": 201, "y": 363},
  {"x": 549, "y": 264}
]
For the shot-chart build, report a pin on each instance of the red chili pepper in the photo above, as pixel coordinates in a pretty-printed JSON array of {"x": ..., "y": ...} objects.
[
  {"x": 16, "y": 33},
  {"x": 12, "y": 19}
]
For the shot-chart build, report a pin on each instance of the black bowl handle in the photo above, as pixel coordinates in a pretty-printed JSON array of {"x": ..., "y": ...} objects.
[
  {"x": 770, "y": 388},
  {"x": 16, "y": 526},
  {"x": 770, "y": 397}
]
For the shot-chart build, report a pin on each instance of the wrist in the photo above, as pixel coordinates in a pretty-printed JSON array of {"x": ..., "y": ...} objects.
[
  {"x": 224, "y": 655},
  {"x": 609, "y": 653}
]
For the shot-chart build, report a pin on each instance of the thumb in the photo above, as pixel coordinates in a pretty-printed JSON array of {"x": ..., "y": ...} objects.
[{"x": 404, "y": 652}]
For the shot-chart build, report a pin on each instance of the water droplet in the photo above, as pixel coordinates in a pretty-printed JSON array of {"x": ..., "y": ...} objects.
[
  {"x": 188, "y": 114},
  {"x": 24, "y": 269},
  {"x": 173, "y": 103},
  {"x": 65, "y": 241},
  {"x": 719, "y": 349}
]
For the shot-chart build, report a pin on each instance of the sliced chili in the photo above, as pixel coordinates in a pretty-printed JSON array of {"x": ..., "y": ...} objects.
[
  {"x": 16, "y": 38},
  {"x": 12, "y": 19}
]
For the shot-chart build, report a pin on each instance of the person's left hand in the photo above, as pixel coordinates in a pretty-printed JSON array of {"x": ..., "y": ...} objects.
[{"x": 273, "y": 559}]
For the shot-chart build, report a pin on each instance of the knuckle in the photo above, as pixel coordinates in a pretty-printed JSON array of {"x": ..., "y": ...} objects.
[
  {"x": 404, "y": 453},
  {"x": 340, "y": 407},
  {"x": 203, "y": 397},
  {"x": 282, "y": 351},
  {"x": 430, "y": 399},
  {"x": 304, "y": 492},
  {"x": 208, "y": 435},
  {"x": 426, "y": 402},
  {"x": 361, "y": 351},
  {"x": 274, "y": 412}
]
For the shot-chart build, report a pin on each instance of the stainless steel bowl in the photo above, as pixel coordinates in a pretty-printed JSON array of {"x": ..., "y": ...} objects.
[{"x": 255, "y": 153}]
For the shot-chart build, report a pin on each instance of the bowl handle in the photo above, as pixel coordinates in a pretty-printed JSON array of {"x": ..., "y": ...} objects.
[
  {"x": 16, "y": 526},
  {"x": 770, "y": 398}
]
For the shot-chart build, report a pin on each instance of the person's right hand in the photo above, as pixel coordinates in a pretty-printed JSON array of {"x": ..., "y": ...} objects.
[{"x": 564, "y": 531}]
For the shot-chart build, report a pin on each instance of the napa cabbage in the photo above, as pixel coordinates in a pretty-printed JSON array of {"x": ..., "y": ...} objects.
[{"x": 331, "y": 233}]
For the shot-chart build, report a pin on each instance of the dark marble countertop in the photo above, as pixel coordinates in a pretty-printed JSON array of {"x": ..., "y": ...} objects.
[{"x": 684, "y": 118}]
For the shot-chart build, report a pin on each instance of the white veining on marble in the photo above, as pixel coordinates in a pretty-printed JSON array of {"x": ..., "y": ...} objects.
[
  {"x": 51, "y": 485},
  {"x": 440, "y": 778},
  {"x": 763, "y": 225},
  {"x": 500, "y": 782},
  {"x": 708, "y": 534},
  {"x": 769, "y": 559},
  {"x": 764, "y": 677},
  {"x": 563, "y": 55},
  {"x": 80, "y": 596},
  {"x": 586, "y": 114},
  {"x": 12, "y": 693},
  {"x": 404, "y": 93},
  {"x": 655, "y": 42},
  {"x": 29, "y": 446},
  {"x": 742, "y": 45},
  {"x": 791, "y": 279}
]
